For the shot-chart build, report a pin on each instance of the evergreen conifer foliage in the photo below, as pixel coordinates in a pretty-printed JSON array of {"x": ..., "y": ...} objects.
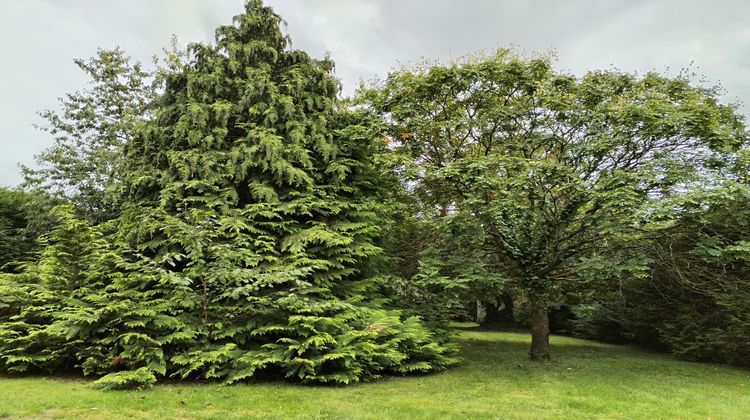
[
  {"x": 49, "y": 312},
  {"x": 249, "y": 226}
]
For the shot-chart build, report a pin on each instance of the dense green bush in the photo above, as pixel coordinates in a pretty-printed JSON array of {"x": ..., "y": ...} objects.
[{"x": 48, "y": 311}]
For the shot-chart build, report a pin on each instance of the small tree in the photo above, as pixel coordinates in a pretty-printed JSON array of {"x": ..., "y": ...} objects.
[
  {"x": 46, "y": 310},
  {"x": 535, "y": 170}
]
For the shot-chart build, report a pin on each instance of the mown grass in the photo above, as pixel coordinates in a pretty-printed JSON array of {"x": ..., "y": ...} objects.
[{"x": 585, "y": 380}]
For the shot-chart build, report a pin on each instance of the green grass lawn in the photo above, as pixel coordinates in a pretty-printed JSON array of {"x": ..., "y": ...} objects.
[{"x": 585, "y": 380}]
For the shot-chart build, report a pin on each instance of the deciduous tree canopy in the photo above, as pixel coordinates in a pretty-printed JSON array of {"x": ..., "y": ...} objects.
[{"x": 537, "y": 170}]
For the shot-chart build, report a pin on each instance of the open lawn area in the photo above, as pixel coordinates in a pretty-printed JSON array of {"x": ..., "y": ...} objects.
[{"x": 585, "y": 379}]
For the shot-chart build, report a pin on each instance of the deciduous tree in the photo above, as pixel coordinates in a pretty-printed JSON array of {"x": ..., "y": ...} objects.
[
  {"x": 89, "y": 133},
  {"x": 536, "y": 169}
]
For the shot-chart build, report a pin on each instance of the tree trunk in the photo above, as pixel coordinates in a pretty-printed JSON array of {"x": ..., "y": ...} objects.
[
  {"x": 480, "y": 314},
  {"x": 539, "y": 333}
]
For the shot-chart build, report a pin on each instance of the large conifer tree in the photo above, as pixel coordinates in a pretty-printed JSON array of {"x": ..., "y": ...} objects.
[
  {"x": 246, "y": 241},
  {"x": 248, "y": 217}
]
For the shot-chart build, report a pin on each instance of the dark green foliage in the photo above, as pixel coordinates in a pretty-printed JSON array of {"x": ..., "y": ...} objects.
[
  {"x": 433, "y": 293},
  {"x": 24, "y": 216},
  {"x": 245, "y": 248},
  {"x": 251, "y": 224},
  {"x": 426, "y": 276},
  {"x": 421, "y": 280},
  {"x": 695, "y": 301}
]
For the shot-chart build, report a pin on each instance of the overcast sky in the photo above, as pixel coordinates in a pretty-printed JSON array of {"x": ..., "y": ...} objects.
[{"x": 40, "y": 38}]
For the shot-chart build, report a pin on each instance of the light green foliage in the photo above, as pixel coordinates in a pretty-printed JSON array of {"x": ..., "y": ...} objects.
[
  {"x": 135, "y": 379},
  {"x": 635, "y": 384},
  {"x": 47, "y": 310},
  {"x": 537, "y": 170},
  {"x": 90, "y": 130}
]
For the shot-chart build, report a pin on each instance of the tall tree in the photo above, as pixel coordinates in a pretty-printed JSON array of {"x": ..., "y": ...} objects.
[
  {"x": 535, "y": 170},
  {"x": 246, "y": 241},
  {"x": 248, "y": 211},
  {"x": 90, "y": 131}
]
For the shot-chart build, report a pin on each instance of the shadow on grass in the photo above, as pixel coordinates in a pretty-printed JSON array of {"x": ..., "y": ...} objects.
[
  {"x": 470, "y": 344},
  {"x": 480, "y": 344}
]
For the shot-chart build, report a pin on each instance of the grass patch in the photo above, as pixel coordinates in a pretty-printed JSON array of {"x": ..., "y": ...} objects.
[{"x": 585, "y": 379}]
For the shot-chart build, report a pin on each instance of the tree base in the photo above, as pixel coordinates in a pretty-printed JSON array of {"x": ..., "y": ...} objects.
[
  {"x": 539, "y": 334},
  {"x": 539, "y": 356}
]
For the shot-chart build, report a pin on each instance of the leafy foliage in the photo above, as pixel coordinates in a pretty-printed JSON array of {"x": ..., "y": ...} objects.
[
  {"x": 82, "y": 166},
  {"x": 536, "y": 170},
  {"x": 135, "y": 379},
  {"x": 694, "y": 300},
  {"x": 24, "y": 217},
  {"x": 47, "y": 310},
  {"x": 227, "y": 215}
]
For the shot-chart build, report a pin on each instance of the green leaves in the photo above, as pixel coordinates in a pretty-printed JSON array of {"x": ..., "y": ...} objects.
[
  {"x": 83, "y": 165},
  {"x": 536, "y": 174},
  {"x": 690, "y": 295},
  {"x": 50, "y": 309},
  {"x": 546, "y": 165},
  {"x": 24, "y": 217}
]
